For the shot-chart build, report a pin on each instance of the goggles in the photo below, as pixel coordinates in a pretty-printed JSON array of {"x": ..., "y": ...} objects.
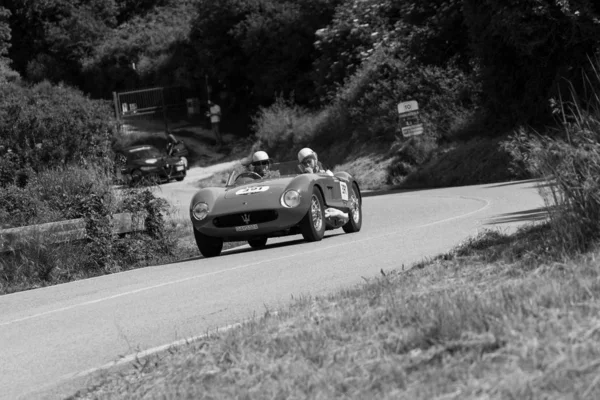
[{"x": 260, "y": 163}]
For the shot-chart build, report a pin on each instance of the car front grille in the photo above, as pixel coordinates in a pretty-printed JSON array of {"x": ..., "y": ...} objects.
[{"x": 251, "y": 217}]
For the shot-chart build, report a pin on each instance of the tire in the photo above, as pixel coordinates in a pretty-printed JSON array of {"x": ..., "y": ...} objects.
[
  {"x": 312, "y": 225},
  {"x": 209, "y": 246},
  {"x": 355, "y": 214},
  {"x": 181, "y": 177},
  {"x": 257, "y": 243}
]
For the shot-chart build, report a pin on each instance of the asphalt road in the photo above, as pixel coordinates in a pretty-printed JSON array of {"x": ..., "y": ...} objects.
[{"x": 52, "y": 338}]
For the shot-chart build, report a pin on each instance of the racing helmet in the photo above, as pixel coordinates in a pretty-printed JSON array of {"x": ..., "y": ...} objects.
[
  {"x": 306, "y": 152},
  {"x": 260, "y": 156}
]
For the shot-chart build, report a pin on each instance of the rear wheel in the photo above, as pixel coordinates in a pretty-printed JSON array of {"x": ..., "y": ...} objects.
[
  {"x": 209, "y": 246},
  {"x": 257, "y": 243},
  {"x": 355, "y": 222},
  {"x": 312, "y": 225}
]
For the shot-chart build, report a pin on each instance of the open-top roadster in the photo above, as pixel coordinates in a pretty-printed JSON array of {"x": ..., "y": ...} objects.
[{"x": 285, "y": 202}]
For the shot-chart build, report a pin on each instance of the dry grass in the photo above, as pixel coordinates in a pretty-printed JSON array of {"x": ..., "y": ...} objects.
[{"x": 495, "y": 318}]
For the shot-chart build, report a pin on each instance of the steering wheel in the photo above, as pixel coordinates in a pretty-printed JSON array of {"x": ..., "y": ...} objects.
[{"x": 248, "y": 174}]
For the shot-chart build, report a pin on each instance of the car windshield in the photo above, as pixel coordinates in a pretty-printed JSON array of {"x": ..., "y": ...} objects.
[
  {"x": 144, "y": 152},
  {"x": 242, "y": 174}
]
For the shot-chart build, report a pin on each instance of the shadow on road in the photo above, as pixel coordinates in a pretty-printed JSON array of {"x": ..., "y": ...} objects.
[
  {"x": 533, "y": 215},
  {"x": 384, "y": 192},
  {"x": 516, "y": 183},
  {"x": 245, "y": 249}
]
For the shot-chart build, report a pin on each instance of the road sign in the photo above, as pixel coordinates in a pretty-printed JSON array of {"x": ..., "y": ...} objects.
[{"x": 410, "y": 120}]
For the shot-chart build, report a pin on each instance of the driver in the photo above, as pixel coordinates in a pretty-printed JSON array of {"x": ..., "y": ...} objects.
[
  {"x": 309, "y": 162},
  {"x": 260, "y": 163}
]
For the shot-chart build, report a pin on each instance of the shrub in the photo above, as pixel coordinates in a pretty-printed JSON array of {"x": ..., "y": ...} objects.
[
  {"x": 568, "y": 158},
  {"x": 54, "y": 195},
  {"x": 48, "y": 126}
]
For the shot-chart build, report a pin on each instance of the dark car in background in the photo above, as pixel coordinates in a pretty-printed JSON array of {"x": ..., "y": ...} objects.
[{"x": 147, "y": 161}]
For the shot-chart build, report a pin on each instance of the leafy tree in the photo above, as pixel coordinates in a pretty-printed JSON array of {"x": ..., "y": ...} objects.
[
  {"x": 6, "y": 73},
  {"x": 48, "y": 126},
  {"x": 51, "y": 38},
  {"x": 4, "y": 32},
  {"x": 258, "y": 49},
  {"x": 129, "y": 9},
  {"x": 527, "y": 48},
  {"x": 155, "y": 43}
]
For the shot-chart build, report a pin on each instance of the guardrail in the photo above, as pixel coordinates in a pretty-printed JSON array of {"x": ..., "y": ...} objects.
[{"x": 64, "y": 231}]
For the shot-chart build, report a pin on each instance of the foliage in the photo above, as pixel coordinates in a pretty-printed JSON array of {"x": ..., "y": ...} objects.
[
  {"x": 525, "y": 50},
  {"x": 75, "y": 192},
  {"x": 4, "y": 32},
  {"x": 52, "y": 37},
  {"x": 53, "y": 195},
  {"x": 244, "y": 47},
  {"x": 475, "y": 161},
  {"x": 153, "y": 207},
  {"x": 155, "y": 41},
  {"x": 568, "y": 158},
  {"x": 419, "y": 32},
  {"x": 48, "y": 126}
]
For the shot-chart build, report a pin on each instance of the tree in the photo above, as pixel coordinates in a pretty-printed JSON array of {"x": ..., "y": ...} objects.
[
  {"x": 258, "y": 49},
  {"x": 51, "y": 38},
  {"x": 528, "y": 49}
]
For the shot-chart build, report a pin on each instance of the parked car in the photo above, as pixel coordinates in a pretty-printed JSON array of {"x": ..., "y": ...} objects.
[
  {"x": 286, "y": 202},
  {"x": 147, "y": 161}
]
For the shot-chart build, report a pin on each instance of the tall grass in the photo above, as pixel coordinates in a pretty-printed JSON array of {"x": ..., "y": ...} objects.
[
  {"x": 54, "y": 195},
  {"x": 486, "y": 320},
  {"x": 569, "y": 160}
]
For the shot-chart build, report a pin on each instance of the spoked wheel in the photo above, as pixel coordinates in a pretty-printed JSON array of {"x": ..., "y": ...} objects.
[
  {"x": 312, "y": 225},
  {"x": 355, "y": 222},
  {"x": 209, "y": 246},
  {"x": 257, "y": 243}
]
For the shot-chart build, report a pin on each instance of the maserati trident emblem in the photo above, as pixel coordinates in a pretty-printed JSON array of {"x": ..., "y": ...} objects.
[{"x": 246, "y": 218}]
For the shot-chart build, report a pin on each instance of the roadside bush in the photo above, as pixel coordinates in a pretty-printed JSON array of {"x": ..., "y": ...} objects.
[
  {"x": 569, "y": 160},
  {"x": 365, "y": 110},
  {"x": 38, "y": 264},
  {"x": 53, "y": 195},
  {"x": 476, "y": 161},
  {"x": 48, "y": 126}
]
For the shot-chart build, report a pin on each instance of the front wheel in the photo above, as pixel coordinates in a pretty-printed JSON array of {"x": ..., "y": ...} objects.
[
  {"x": 257, "y": 243},
  {"x": 209, "y": 246},
  {"x": 312, "y": 225},
  {"x": 355, "y": 222}
]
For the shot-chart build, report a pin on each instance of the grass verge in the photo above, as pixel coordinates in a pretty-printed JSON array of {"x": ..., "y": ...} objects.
[{"x": 497, "y": 317}]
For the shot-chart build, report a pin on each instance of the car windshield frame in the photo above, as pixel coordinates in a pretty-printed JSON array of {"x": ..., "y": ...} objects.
[{"x": 277, "y": 170}]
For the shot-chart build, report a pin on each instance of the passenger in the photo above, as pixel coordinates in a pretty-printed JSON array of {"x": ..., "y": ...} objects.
[
  {"x": 309, "y": 162},
  {"x": 261, "y": 163}
]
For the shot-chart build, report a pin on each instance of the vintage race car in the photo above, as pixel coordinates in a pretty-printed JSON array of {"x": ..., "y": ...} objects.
[{"x": 285, "y": 202}]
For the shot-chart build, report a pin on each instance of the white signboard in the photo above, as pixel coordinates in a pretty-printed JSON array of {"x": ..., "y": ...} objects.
[{"x": 410, "y": 120}]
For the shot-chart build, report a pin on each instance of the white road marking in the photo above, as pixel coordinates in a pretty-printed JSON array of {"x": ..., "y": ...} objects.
[{"x": 320, "y": 249}]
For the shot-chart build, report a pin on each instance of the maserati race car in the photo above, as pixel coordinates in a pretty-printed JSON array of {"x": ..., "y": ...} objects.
[{"x": 285, "y": 202}]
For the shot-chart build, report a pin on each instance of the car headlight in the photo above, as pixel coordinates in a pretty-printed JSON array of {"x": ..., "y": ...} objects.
[
  {"x": 151, "y": 161},
  {"x": 200, "y": 211},
  {"x": 290, "y": 199}
]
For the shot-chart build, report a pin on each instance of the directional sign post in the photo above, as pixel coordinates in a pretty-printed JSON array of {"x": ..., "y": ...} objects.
[{"x": 410, "y": 121}]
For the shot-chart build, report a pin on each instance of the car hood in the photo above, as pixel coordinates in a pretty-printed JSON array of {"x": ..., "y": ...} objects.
[{"x": 253, "y": 191}]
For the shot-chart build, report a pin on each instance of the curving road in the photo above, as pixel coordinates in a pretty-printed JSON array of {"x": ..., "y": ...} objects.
[{"x": 52, "y": 338}]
